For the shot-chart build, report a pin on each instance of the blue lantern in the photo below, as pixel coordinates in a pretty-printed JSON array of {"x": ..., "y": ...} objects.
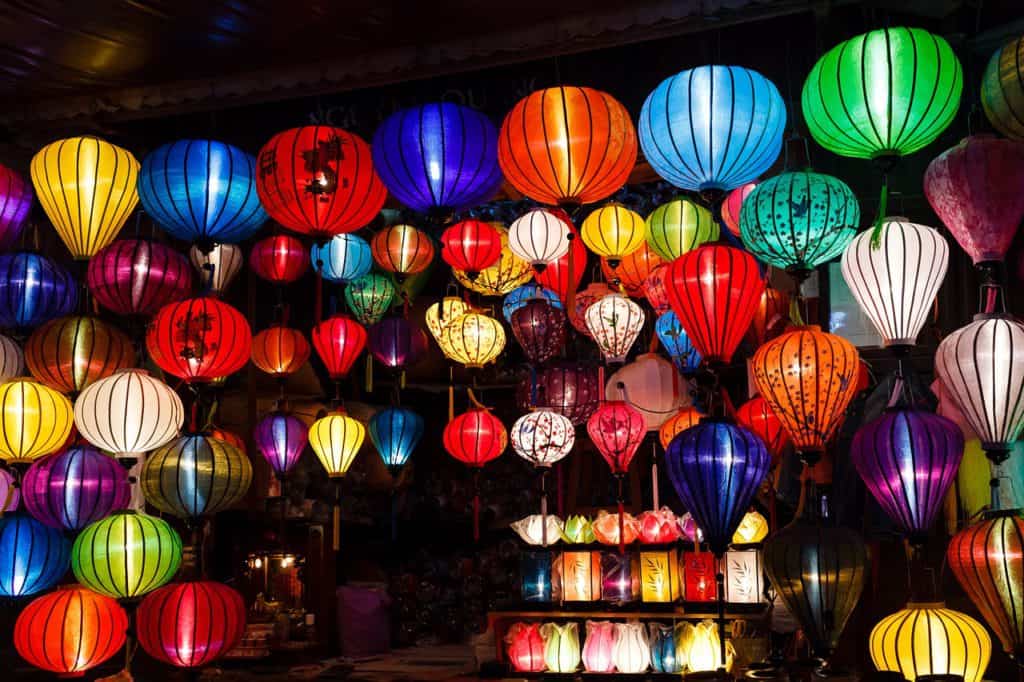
[
  {"x": 33, "y": 556},
  {"x": 716, "y": 468},
  {"x": 343, "y": 258},
  {"x": 676, "y": 343},
  {"x": 712, "y": 127},
  {"x": 535, "y": 575},
  {"x": 33, "y": 290},
  {"x": 202, "y": 191},
  {"x": 395, "y": 432},
  {"x": 438, "y": 158},
  {"x": 518, "y": 297},
  {"x": 664, "y": 655}
]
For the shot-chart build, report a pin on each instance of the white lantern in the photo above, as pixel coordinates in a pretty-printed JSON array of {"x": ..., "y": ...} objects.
[
  {"x": 653, "y": 386},
  {"x": 631, "y": 651},
  {"x": 743, "y": 576},
  {"x": 12, "y": 359},
  {"x": 218, "y": 268},
  {"x": 895, "y": 283},
  {"x": 542, "y": 437},
  {"x": 614, "y": 323},
  {"x": 539, "y": 237},
  {"x": 538, "y": 529}
]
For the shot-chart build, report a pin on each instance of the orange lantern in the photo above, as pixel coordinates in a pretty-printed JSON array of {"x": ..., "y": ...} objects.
[
  {"x": 680, "y": 421},
  {"x": 70, "y": 353},
  {"x": 280, "y": 351},
  {"x": 633, "y": 269},
  {"x": 757, "y": 415},
  {"x": 402, "y": 249}
]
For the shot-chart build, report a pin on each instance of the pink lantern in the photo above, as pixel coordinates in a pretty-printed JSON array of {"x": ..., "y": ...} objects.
[
  {"x": 653, "y": 386},
  {"x": 597, "y": 648},
  {"x": 732, "y": 204},
  {"x": 655, "y": 291},
  {"x": 658, "y": 526},
  {"x": 525, "y": 647}
]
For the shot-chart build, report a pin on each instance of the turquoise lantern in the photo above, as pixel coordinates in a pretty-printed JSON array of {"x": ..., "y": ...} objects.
[
  {"x": 342, "y": 258},
  {"x": 676, "y": 343},
  {"x": 395, "y": 432}
]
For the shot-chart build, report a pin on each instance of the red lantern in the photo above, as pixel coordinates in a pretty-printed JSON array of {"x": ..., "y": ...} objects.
[
  {"x": 402, "y": 249},
  {"x": 229, "y": 437},
  {"x": 338, "y": 341},
  {"x": 475, "y": 438},
  {"x": 770, "y": 318},
  {"x": 732, "y": 204},
  {"x": 471, "y": 245},
  {"x": 756, "y": 414},
  {"x": 280, "y": 351},
  {"x": 539, "y": 327},
  {"x": 714, "y": 290},
  {"x": 556, "y": 275},
  {"x": 280, "y": 258},
  {"x": 70, "y": 353},
  {"x": 655, "y": 290},
  {"x": 319, "y": 180},
  {"x": 634, "y": 269},
  {"x": 70, "y": 630},
  {"x": 699, "y": 569},
  {"x": 199, "y": 340},
  {"x": 190, "y": 624},
  {"x": 617, "y": 430},
  {"x": 138, "y": 277}
]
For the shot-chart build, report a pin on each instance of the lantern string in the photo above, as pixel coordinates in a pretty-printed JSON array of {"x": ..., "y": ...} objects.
[
  {"x": 883, "y": 207},
  {"x": 654, "y": 476}
]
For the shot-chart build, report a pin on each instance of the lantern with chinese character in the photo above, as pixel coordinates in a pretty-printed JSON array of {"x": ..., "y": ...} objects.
[
  {"x": 473, "y": 339},
  {"x": 338, "y": 341},
  {"x": 539, "y": 237},
  {"x": 190, "y": 624},
  {"x": 280, "y": 438},
  {"x": 613, "y": 231},
  {"x": 75, "y": 487},
  {"x": 280, "y": 258},
  {"x": 199, "y": 339},
  {"x": 35, "y": 420},
  {"x": 195, "y": 475},
  {"x": 679, "y": 226},
  {"x": 280, "y": 351},
  {"x": 699, "y": 569},
  {"x": 33, "y": 289},
  {"x": 342, "y": 258},
  {"x": 539, "y": 327},
  {"x": 471, "y": 245},
  {"x": 614, "y": 323},
  {"x": 33, "y": 556}
]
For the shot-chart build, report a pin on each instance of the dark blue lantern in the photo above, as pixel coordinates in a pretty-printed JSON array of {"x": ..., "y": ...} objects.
[
  {"x": 202, "y": 191},
  {"x": 519, "y": 297},
  {"x": 438, "y": 158},
  {"x": 342, "y": 258},
  {"x": 716, "y": 468},
  {"x": 33, "y": 290},
  {"x": 395, "y": 432},
  {"x": 676, "y": 343},
  {"x": 33, "y": 556}
]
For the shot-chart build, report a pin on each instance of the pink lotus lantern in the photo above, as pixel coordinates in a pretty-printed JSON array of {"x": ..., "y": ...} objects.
[
  {"x": 598, "y": 646},
  {"x": 658, "y": 526}
]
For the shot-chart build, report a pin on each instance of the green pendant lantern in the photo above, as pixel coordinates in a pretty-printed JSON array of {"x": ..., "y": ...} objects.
[
  {"x": 1002, "y": 90},
  {"x": 369, "y": 297},
  {"x": 679, "y": 226}
]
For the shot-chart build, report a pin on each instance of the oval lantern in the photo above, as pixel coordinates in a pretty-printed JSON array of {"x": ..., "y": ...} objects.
[
  {"x": 712, "y": 127},
  {"x": 12, "y": 359},
  {"x": 338, "y": 341},
  {"x": 195, "y": 475},
  {"x": 342, "y": 258},
  {"x": 87, "y": 188},
  {"x": 585, "y": 298},
  {"x": 78, "y": 485},
  {"x": 510, "y": 271},
  {"x": 138, "y": 277},
  {"x": 33, "y": 556},
  {"x": 757, "y": 416},
  {"x": 190, "y": 624},
  {"x": 70, "y": 631},
  {"x": 612, "y": 231},
  {"x": 633, "y": 270},
  {"x": 199, "y": 339},
  {"x": 336, "y": 439},
  {"x": 567, "y": 145},
  {"x": 614, "y": 323},
  {"x": 280, "y": 438},
  {"x": 685, "y": 418},
  {"x": 679, "y": 226},
  {"x": 616, "y": 429},
  {"x": 475, "y": 437},
  {"x": 539, "y": 237},
  {"x": 440, "y": 314},
  {"x": 402, "y": 249},
  {"x": 473, "y": 339},
  {"x": 33, "y": 289},
  {"x": 520, "y": 296},
  {"x": 542, "y": 437},
  {"x": 732, "y": 206},
  {"x": 570, "y": 389},
  {"x": 319, "y": 180},
  {"x": 70, "y": 353},
  {"x": 280, "y": 258},
  {"x": 1002, "y": 89},
  {"x": 280, "y": 351},
  {"x": 539, "y": 327},
  {"x": 395, "y": 432},
  {"x": 397, "y": 343},
  {"x": 676, "y": 343},
  {"x": 471, "y": 245},
  {"x": 656, "y": 292},
  {"x": 35, "y": 420},
  {"x": 438, "y": 157},
  {"x": 370, "y": 297},
  {"x": 771, "y": 316},
  {"x": 652, "y": 385},
  {"x": 15, "y": 203},
  {"x": 217, "y": 267}
]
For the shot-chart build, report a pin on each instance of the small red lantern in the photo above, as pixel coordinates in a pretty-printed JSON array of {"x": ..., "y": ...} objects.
[
  {"x": 191, "y": 624},
  {"x": 655, "y": 291},
  {"x": 525, "y": 647},
  {"x": 229, "y": 437},
  {"x": 280, "y": 351},
  {"x": 593, "y": 293},
  {"x": 70, "y": 353},
  {"x": 280, "y": 258},
  {"x": 756, "y": 414},
  {"x": 471, "y": 245},
  {"x": 617, "y": 431},
  {"x": 699, "y": 570},
  {"x": 338, "y": 341},
  {"x": 634, "y": 269},
  {"x": 138, "y": 276},
  {"x": 199, "y": 339},
  {"x": 539, "y": 327},
  {"x": 402, "y": 249},
  {"x": 732, "y": 204},
  {"x": 771, "y": 317},
  {"x": 556, "y": 275},
  {"x": 475, "y": 438}
]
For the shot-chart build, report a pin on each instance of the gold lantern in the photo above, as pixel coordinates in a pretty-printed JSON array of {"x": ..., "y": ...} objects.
[
  {"x": 659, "y": 576},
  {"x": 35, "y": 420},
  {"x": 336, "y": 439},
  {"x": 473, "y": 339},
  {"x": 577, "y": 576}
]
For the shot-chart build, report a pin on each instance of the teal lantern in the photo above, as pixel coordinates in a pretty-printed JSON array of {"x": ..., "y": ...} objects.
[
  {"x": 395, "y": 432},
  {"x": 369, "y": 297}
]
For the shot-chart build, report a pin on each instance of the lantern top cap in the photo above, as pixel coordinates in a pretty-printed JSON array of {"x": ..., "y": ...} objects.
[
  {"x": 1002, "y": 513},
  {"x": 979, "y": 317},
  {"x": 926, "y": 605}
]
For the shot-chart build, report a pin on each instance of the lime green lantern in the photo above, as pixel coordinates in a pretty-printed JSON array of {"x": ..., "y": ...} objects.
[
  {"x": 369, "y": 297},
  {"x": 126, "y": 555},
  {"x": 678, "y": 227}
]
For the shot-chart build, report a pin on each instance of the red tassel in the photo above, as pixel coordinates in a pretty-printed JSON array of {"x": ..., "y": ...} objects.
[
  {"x": 622, "y": 529},
  {"x": 476, "y": 517}
]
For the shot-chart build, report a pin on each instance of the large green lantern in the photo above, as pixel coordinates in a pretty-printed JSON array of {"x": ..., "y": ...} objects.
[
  {"x": 369, "y": 297},
  {"x": 799, "y": 220},
  {"x": 679, "y": 226},
  {"x": 1002, "y": 89},
  {"x": 126, "y": 555}
]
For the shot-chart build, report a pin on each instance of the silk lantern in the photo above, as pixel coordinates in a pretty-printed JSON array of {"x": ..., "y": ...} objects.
[
  {"x": 732, "y": 206},
  {"x": 70, "y": 631},
  {"x": 402, "y": 249},
  {"x": 319, "y": 180},
  {"x": 679, "y": 226},
  {"x": 12, "y": 359},
  {"x": 1002, "y": 89},
  {"x": 676, "y": 343},
  {"x": 370, "y": 297},
  {"x": 677, "y": 423},
  {"x": 217, "y": 267},
  {"x": 195, "y": 475},
  {"x": 69, "y": 353},
  {"x": 535, "y": 575},
  {"x": 665, "y": 656},
  {"x": 507, "y": 273},
  {"x": 542, "y": 437},
  {"x": 10, "y": 492},
  {"x": 475, "y": 437},
  {"x": 33, "y": 556},
  {"x": 35, "y": 420},
  {"x": 659, "y": 576},
  {"x": 756, "y": 414},
  {"x": 614, "y": 323},
  {"x": 652, "y": 385},
  {"x": 280, "y": 351},
  {"x": 565, "y": 274},
  {"x": 578, "y": 576},
  {"x": 74, "y": 487},
  {"x": 396, "y": 343},
  {"x": 702, "y": 648},
  {"x": 395, "y": 432},
  {"x": 525, "y": 647},
  {"x": 33, "y": 289},
  {"x": 615, "y": 528},
  {"x": 520, "y": 296},
  {"x": 440, "y": 314},
  {"x": 87, "y": 189},
  {"x": 771, "y": 316},
  {"x": 617, "y": 430},
  {"x": 199, "y": 339},
  {"x": 539, "y": 237},
  {"x": 279, "y": 258},
  {"x": 15, "y": 202},
  {"x": 570, "y": 389},
  {"x": 597, "y": 647},
  {"x": 342, "y": 258},
  {"x": 585, "y": 298},
  {"x": 567, "y": 145},
  {"x": 613, "y": 231},
  {"x": 539, "y": 327},
  {"x": 473, "y": 339},
  {"x": 712, "y": 127},
  {"x": 338, "y": 341},
  {"x": 138, "y": 277},
  {"x": 335, "y": 439},
  {"x": 655, "y": 291},
  {"x": 577, "y": 530},
  {"x": 190, "y": 624},
  {"x": 471, "y": 245},
  {"x": 631, "y": 653},
  {"x": 280, "y": 438}
]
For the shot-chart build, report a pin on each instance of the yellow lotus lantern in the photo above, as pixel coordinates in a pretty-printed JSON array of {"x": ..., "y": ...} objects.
[
  {"x": 35, "y": 420},
  {"x": 700, "y": 646},
  {"x": 752, "y": 529},
  {"x": 473, "y": 339}
]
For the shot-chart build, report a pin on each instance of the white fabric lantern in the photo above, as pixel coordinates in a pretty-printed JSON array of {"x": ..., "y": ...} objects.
[
  {"x": 225, "y": 260},
  {"x": 542, "y": 437},
  {"x": 614, "y": 323},
  {"x": 896, "y": 283},
  {"x": 12, "y": 359},
  {"x": 538, "y": 529},
  {"x": 743, "y": 576},
  {"x": 631, "y": 651},
  {"x": 653, "y": 386},
  {"x": 539, "y": 237}
]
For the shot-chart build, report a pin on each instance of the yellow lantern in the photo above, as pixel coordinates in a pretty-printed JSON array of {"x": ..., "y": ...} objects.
[
  {"x": 509, "y": 272},
  {"x": 926, "y": 638},
  {"x": 441, "y": 314},
  {"x": 35, "y": 420},
  {"x": 699, "y": 646},
  {"x": 87, "y": 187},
  {"x": 752, "y": 529},
  {"x": 473, "y": 339},
  {"x": 336, "y": 439},
  {"x": 612, "y": 232},
  {"x": 561, "y": 646},
  {"x": 659, "y": 576}
]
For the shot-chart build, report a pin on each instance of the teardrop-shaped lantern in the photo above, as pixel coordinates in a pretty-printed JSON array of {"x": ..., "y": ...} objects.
[
  {"x": 35, "y": 420},
  {"x": 612, "y": 231},
  {"x": 138, "y": 277},
  {"x": 280, "y": 438},
  {"x": 338, "y": 341},
  {"x": 617, "y": 430},
  {"x": 335, "y": 439},
  {"x": 195, "y": 475},
  {"x": 475, "y": 437},
  {"x": 15, "y": 202},
  {"x": 396, "y": 342},
  {"x": 471, "y": 245},
  {"x": 676, "y": 343},
  {"x": 542, "y": 437},
  {"x": 33, "y": 290},
  {"x": 756, "y": 414},
  {"x": 342, "y": 258},
  {"x": 199, "y": 339},
  {"x": 280, "y": 351},
  {"x": 74, "y": 487},
  {"x": 370, "y": 297},
  {"x": 539, "y": 237},
  {"x": 1002, "y": 89},
  {"x": 279, "y": 258},
  {"x": 539, "y": 327},
  {"x": 679, "y": 226},
  {"x": 402, "y": 249},
  {"x": 70, "y": 353},
  {"x": 218, "y": 267},
  {"x": 732, "y": 206},
  {"x": 395, "y": 432},
  {"x": 614, "y": 323},
  {"x": 473, "y": 339}
]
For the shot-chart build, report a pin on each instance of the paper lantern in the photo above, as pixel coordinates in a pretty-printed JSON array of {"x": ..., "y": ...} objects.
[
  {"x": 929, "y": 639},
  {"x": 440, "y": 314},
  {"x": 190, "y": 624},
  {"x": 342, "y": 258},
  {"x": 471, "y": 245},
  {"x": 473, "y": 339},
  {"x": 538, "y": 529},
  {"x": 699, "y": 569},
  {"x": 752, "y": 529},
  {"x": 617, "y": 430},
  {"x": 567, "y": 145},
  {"x": 280, "y": 438},
  {"x": 715, "y": 290},
  {"x": 614, "y": 323},
  {"x": 525, "y": 647},
  {"x": 33, "y": 289},
  {"x": 987, "y": 559},
  {"x": 756, "y": 414},
  {"x": 535, "y": 575},
  {"x": 676, "y": 343},
  {"x": 87, "y": 189},
  {"x": 510, "y": 271},
  {"x": 572, "y": 390},
  {"x": 631, "y": 652},
  {"x": 1002, "y": 89},
  {"x": 565, "y": 274},
  {"x": 620, "y": 577},
  {"x": 659, "y": 576},
  {"x": 656, "y": 292},
  {"x": 612, "y": 231},
  {"x": 702, "y": 649},
  {"x": 597, "y": 647},
  {"x": 10, "y": 492},
  {"x": 319, "y": 180},
  {"x": 69, "y": 353},
  {"x": 732, "y": 206},
  {"x": 561, "y": 646},
  {"x": 798, "y": 220},
  {"x": 712, "y": 127},
  {"x": 664, "y": 654},
  {"x": 577, "y": 530},
  {"x": 396, "y": 342},
  {"x": 126, "y": 555},
  {"x": 199, "y": 339},
  {"x": 338, "y": 341},
  {"x": 33, "y": 556},
  {"x": 280, "y": 351},
  {"x": 128, "y": 413},
  {"x": 543, "y": 437},
  {"x": 520, "y": 296},
  {"x": 15, "y": 202},
  {"x": 35, "y": 420},
  {"x": 680, "y": 226},
  {"x": 402, "y": 249},
  {"x": 138, "y": 277},
  {"x": 808, "y": 378},
  {"x": 652, "y": 385},
  {"x": 195, "y": 475},
  {"x": 578, "y": 576},
  {"x": 280, "y": 258},
  {"x": 70, "y": 631},
  {"x": 743, "y": 571},
  {"x": 74, "y": 487},
  {"x": 395, "y": 432},
  {"x": 615, "y": 529},
  {"x": 539, "y": 327},
  {"x": 658, "y": 526},
  {"x": 972, "y": 187},
  {"x": 677, "y": 423},
  {"x": 217, "y": 267},
  {"x": 539, "y": 237},
  {"x": 336, "y": 439}
]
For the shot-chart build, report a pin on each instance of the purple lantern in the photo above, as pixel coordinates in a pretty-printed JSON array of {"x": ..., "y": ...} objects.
[
  {"x": 539, "y": 327},
  {"x": 396, "y": 342},
  {"x": 281, "y": 439},
  {"x": 15, "y": 202},
  {"x": 908, "y": 458},
  {"x": 10, "y": 495},
  {"x": 571, "y": 390},
  {"x": 74, "y": 487}
]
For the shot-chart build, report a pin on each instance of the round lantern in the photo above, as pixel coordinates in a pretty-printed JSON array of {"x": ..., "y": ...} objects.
[
  {"x": 280, "y": 351},
  {"x": 319, "y": 180},
  {"x": 397, "y": 343},
  {"x": 199, "y": 339},
  {"x": 439, "y": 157},
  {"x": 634, "y": 269},
  {"x": 510, "y": 271},
  {"x": 617, "y": 430},
  {"x": 280, "y": 258},
  {"x": 539, "y": 237},
  {"x": 12, "y": 359},
  {"x": 929, "y": 639},
  {"x": 612, "y": 231},
  {"x": 712, "y": 127},
  {"x": 336, "y": 439},
  {"x": 402, "y": 249},
  {"x": 33, "y": 289},
  {"x": 471, "y": 245},
  {"x": 652, "y": 385},
  {"x": 572, "y": 390},
  {"x": 771, "y": 317},
  {"x": 567, "y": 145},
  {"x": 195, "y": 475},
  {"x": 676, "y": 343},
  {"x": 342, "y": 258},
  {"x": 475, "y": 437},
  {"x": 593, "y": 293},
  {"x": 138, "y": 277},
  {"x": 338, "y": 341},
  {"x": 69, "y": 353},
  {"x": 677, "y": 423},
  {"x": 614, "y": 323},
  {"x": 1002, "y": 89},
  {"x": 33, "y": 557},
  {"x": 798, "y": 220},
  {"x": 974, "y": 189},
  {"x": 715, "y": 290},
  {"x": 733, "y": 204},
  {"x": 217, "y": 267},
  {"x": 87, "y": 189},
  {"x": 473, "y": 339},
  {"x": 370, "y": 297},
  {"x": 542, "y": 437},
  {"x": 539, "y": 327},
  {"x": 655, "y": 290},
  {"x": 757, "y": 416},
  {"x": 71, "y": 489},
  {"x": 439, "y": 315},
  {"x": 128, "y": 413},
  {"x": 35, "y": 420},
  {"x": 70, "y": 631},
  {"x": 885, "y": 93},
  {"x": 395, "y": 432},
  {"x": 190, "y": 624},
  {"x": 520, "y": 296},
  {"x": 15, "y": 202},
  {"x": 10, "y": 492},
  {"x": 126, "y": 555},
  {"x": 280, "y": 438},
  {"x": 679, "y": 226}
]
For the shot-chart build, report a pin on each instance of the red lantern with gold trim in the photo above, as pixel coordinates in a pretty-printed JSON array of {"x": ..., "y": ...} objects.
[
  {"x": 471, "y": 245},
  {"x": 280, "y": 258},
  {"x": 280, "y": 351},
  {"x": 199, "y": 340},
  {"x": 70, "y": 353},
  {"x": 338, "y": 341},
  {"x": 617, "y": 430}
]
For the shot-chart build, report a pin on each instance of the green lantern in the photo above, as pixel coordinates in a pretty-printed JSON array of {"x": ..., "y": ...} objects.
[
  {"x": 126, "y": 555},
  {"x": 678, "y": 227},
  {"x": 369, "y": 297},
  {"x": 799, "y": 220},
  {"x": 1002, "y": 90}
]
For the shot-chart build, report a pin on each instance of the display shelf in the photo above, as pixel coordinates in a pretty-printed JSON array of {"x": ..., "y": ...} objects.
[{"x": 581, "y": 675}]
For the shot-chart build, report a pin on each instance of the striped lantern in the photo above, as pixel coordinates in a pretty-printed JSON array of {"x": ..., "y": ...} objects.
[
  {"x": 280, "y": 351},
  {"x": 190, "y": 624},
  {"x": 217, "y": 267},
  {"x": 35, "y": 420},
  {"x": 199, "y": 339},
  {"x": 33, "y": 289},
  {"x": 15, "y": 203},
  {"x": 195, "y": 475},
  {"x": 137, "y": 277},
  {"x": 33, "y": 556},
  {"x": 70, "y": 353},
  {"x": 74, "y": 487},
  {"x": 279, "y": 258}
]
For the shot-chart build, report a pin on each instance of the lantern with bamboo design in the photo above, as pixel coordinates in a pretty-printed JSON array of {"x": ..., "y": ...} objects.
[
  {"x": 660, "y": 581},
  {"x": 69, "y": 353}
]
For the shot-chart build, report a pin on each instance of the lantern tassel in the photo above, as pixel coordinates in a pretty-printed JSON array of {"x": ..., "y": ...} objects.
[
  {"x": 476, "y": 504},
  {"x": 883, "y": 207},
  {"x": 622, "y": 514},
  {"x": 451, "y": 402},
  {"x": 543, "y": 509},
  {"x": 369, "y": 373},
  {"x": 654, "y": 477},
  {"x": 720, "y": 586},
  {"x": 336, "y": 517}
]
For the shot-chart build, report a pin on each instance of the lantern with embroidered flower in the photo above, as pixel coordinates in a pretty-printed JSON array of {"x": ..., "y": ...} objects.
[
  {"x": 370, "y": 297},
  {"x": 441, "y": 314},
  {"x": 280, "y": 258},
  {"x": 473, "y": 339},
  {"x": 616, "y": 429},
  {"x": 614, "y": 323},
  {"x": 612, "y": 231},
  {"x": 543, "y": 437},
  {"x": 676, "y": 343},
  {"x": 655, "y": 292},
  {"x": 539, "y": 327},
  {"x": 199, "y": 340},
  {"x": 584, "y": 298}
]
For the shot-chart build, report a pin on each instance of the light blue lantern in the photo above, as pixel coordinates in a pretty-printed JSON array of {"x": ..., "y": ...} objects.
[
  {"x": 343, "y": 258},
  {"x": 395, "y": 432},
  {"x": 676, "y": 343},
  {"x": 519, "y": 296},
  {"x": 712, "y": 128},
  {"x": 664, "y": 652},
  {"x": 33, "y": 556}
]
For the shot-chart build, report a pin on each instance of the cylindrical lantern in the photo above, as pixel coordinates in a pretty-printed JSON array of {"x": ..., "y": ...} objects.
[
  {"x": 659, "y": 576},
  {"x": 597, "y": 647},
  {"x": 520, "y": 296},
  {"x": 677, "y": 423},
  {"x": 280, "y": 438},
  {"x": 402, "y": 249},
  {"x": 699, "y": 569},
  {"x": 138, "y": 277},
  {"x": 33, "y": 556},
  {"x": 35, "y": 420},
  {"x": 395, "y": 432},
  {"x": 744, "y": 583},
  {"x": 539, "y": 237},
  {"x": 195, "y": 475},
  {"x": 616, "y": 430},
  {"x": 756, "y": 414},
  {"x": 280, "y": 351},
  {"x": 199, "y": 339},
  {"x": 612, "y": 231},
  {"x": 280, "y": 258},
  {"x": 73, "y": 488},
  {"x": 631, "y": 653},
  {"x": 561, "y": 646},
  {"x": 732, "y": 206},
  {"x": 539, "y": 327},
  {"x": 15, "y": 202},
  {"x": 507, "y": 273},
  {"x": 679, "y": 226},
  {"x": 614, "y": 323},
  {"x": 190, "y": 624},
  {"x": 369, "y": 297},
  {"x": 525, "y": 647},
  {"x": 218, "y": 267},
  {"x": 1002, "y": 89},
  {"x": 542, "y": 437},
  {"x": 342, "y": 258},
  {"x": 578, "y": 576},
  {"x": 471, "y": 245},
  {"x": 620, "y": 577},
  {"x": 33, "y": 289},
  {"x": 396, "y": 342},
  {"x": 70, "y": 353},
  {"x": 652, "y": 385},
  {"x": 336, "y": 439},
  {"x": 473, "y": 339},
  {"x": 676, "y": 343},
  {"x": 338, "y": 341}
]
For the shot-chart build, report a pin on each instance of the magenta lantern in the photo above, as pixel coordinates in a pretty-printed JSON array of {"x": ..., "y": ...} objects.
[
  {"x": 571, "y": 390},
  {"x": 15, "y": 202},
  {"x": 281, "y": 439},
  {"x": 138, "y": 277},
  {"x": 75, "y": 487},
  {"x": 396, "y": 342}
]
